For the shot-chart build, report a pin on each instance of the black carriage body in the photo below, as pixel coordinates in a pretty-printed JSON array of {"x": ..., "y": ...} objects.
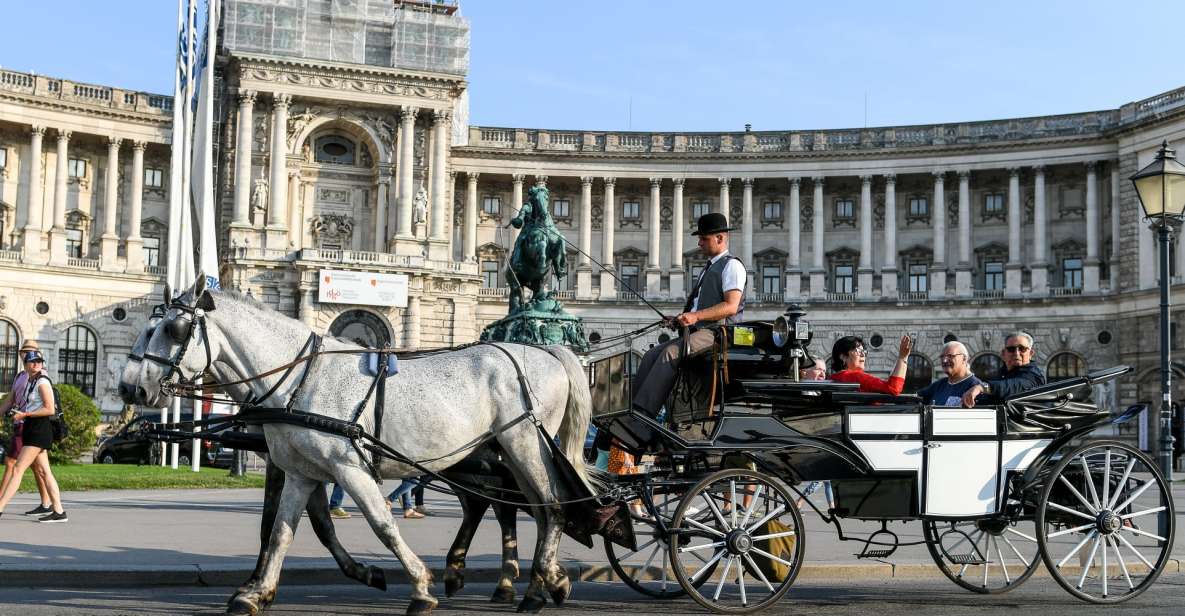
[{"x": 888, "y": 457}]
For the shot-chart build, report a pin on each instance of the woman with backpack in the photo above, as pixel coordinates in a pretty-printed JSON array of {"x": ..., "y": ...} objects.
[
  {"x": 37, "y": 414},
  {"x": 15, "y": 400}
]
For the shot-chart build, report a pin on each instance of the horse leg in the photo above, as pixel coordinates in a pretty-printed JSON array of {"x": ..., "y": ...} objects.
[
  {"x": 366, "y": 494},
  {"x": 273, "y": 484},
  {"x": 472, "y": 509},
  {"x": 293, "y": 499},
  {"x": 318, "y": 510},
  {"x": 507, "y": 516}
]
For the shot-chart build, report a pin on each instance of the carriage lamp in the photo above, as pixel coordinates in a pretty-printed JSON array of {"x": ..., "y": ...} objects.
[{"x": 1160, "y": 187}]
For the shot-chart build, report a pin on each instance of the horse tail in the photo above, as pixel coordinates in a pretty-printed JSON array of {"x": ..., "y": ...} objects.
[{"x": 577, "y": 413}]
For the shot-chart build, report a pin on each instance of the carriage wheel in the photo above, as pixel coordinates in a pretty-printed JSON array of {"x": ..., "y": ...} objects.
[
  {"x": 1105, "y": 522},
  {"x": 648, "y": 569},
  {"x": 985, "y": 556},
  {"x": 746, "y": 525}
]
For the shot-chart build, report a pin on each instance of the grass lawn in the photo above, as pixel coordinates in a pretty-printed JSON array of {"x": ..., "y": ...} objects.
[{"x": 72, "y": 477}]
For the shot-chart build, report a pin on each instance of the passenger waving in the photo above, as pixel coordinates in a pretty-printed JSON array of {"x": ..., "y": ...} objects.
[{"x": 847, "y": 363}]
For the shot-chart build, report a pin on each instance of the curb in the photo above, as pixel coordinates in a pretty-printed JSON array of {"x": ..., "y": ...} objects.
[{"x": 109, "y": 576}]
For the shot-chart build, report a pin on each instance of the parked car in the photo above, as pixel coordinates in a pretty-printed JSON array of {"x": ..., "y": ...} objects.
[{"x": 131, "y": 446}]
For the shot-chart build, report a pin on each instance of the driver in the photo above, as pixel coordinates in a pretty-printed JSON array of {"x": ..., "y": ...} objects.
[{"x": 717, "y": 297}]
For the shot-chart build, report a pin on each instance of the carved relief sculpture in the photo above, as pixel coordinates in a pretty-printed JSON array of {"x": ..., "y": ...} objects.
[{"x": 333, "y": 228}]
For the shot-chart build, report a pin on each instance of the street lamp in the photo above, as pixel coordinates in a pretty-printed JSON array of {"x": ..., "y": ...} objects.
[{"x": 1161, "y": 189}]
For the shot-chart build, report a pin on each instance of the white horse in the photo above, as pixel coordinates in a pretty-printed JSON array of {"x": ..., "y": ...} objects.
[{"x": 436, "y": 410}]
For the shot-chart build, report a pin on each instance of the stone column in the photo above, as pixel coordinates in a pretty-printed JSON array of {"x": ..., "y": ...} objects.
[
  {"x": 747, "y": 236},
  {"x": 109, "y": 241},
  {"x": 1040, "y": 265},
  {"x": 609, "y": 224},
  {"x": 135, "y": 244},
  {"x": 469, "y": 236},
  {"x": 57, "y": 234},
  {"x": 277, "y": 211},
  {"x": 1090, "y": 267},
  {"x": 1115, "y": 219},
  {"x": 407, "y": 189},
  {"x": 818, "y": 274},
  {"x": 963, "y": 284},
  {"x": 889, "y": 269},
  {"x": 654, "y": 248},
  {"x": 32, "y": 231},
  {"x": 938, "y": 220},
  {"x": 382, "y": 186},
  {"x": 244, "y": 146},
  {"x": 516, "y": 203},
  {"x": 677, "y": 230},
  {"x": 724, "y": 198},
  {"x": 1014, "y": 268},
  {"x": 411, "y": 339},
  {"x": 794, "y": 242},
  {"x": 440, "y": 205},
  {"x": 584, "y": 269},
  {"x": 864, "y": 272},
  {"x": 295, "y": 210}
]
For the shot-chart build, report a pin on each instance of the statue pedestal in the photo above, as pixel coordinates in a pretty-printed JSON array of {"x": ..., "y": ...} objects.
[{"x": 540, "y": 321}]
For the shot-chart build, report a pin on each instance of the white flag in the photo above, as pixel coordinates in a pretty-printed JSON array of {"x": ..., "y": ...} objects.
[{"x": 202, "y": 182}]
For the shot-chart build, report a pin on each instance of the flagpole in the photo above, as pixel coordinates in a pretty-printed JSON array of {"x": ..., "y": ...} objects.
[{"x": 176, "y": 188}]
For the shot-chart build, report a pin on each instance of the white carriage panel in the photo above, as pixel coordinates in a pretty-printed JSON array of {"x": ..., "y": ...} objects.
[
  {"x": 892, "y": 455},
  {"x": 1019, "y": 455},
  {"x": 961, "y": 478},
  {"x": 964, "y": 422},
  {"x": 884, "y": 423}
]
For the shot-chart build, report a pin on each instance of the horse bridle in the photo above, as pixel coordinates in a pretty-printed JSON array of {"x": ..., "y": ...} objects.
[
  {"x": 181, "y": 330},
  {"x": 158, "y": 313}
]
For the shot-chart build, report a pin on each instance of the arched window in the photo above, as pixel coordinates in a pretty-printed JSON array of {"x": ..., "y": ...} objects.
[
  {"x": 334, "y": 149},
  {"x": 1064, "y": 366},
  {"x": 987, "y": 366},
  {"x": 918, "y": 374},
  {"x": 361, "y": 327},
  {"x": 10, "y": 363},
  {"x": 77, "y": 359}
]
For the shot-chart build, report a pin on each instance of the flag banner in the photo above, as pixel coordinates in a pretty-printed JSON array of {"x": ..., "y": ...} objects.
[{"x": 202, "y": 181}]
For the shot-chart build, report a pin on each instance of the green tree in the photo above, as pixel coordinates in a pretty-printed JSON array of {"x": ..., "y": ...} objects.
[{"x": 82, "y": 415}]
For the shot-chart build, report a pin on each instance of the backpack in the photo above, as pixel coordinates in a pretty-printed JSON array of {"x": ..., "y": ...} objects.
[{"x": 58, "y": 420}]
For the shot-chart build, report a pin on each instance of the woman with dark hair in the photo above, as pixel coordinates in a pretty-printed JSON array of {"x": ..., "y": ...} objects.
[{"x": 847, "y": 364}]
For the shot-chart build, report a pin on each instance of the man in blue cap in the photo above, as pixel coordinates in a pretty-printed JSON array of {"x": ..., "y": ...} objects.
[{"x": 717, "y": 298}]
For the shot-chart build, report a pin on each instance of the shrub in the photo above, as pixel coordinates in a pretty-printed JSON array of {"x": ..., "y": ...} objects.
[{"x": 82, "y": 415}]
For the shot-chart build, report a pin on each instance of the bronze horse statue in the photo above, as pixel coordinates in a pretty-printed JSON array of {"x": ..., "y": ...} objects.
[{"x": 538, "y": 251}]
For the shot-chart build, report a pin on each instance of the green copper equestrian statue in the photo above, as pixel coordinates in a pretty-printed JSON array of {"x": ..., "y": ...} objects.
[{"x": 538, "y": 251}]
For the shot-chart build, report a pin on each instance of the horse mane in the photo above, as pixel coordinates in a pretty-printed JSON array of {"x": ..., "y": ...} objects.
[{"x": 246, "y": 299}]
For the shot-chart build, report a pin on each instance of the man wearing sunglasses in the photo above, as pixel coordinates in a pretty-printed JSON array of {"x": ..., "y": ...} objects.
[{"x": 1019, "y": 374}]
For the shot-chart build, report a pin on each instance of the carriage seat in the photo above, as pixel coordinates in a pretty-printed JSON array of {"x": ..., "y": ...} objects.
[{"x": 1053, "y": 407}]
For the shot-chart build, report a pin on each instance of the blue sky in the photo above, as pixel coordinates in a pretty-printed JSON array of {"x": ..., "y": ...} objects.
[{"x": 697, "y": 65}]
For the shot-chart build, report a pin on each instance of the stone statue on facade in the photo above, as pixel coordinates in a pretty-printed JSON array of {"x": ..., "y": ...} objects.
[
  {"x": 539, "y": 253},
  {"x": 420, "y": 206},
  {"x": 259, "y": 199}
]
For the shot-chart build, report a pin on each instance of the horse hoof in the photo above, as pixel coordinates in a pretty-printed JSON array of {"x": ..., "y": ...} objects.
[
  {"x": 503, "y": 594},
  {"x": 376, "y": 578},
  {"x": 532, "y": 604},
  {"x": 453, "y": 583},
  {"x": 420, "y": 607},
  {"x": 562, "y": 590},
  {"x": 242, "y": 606}
]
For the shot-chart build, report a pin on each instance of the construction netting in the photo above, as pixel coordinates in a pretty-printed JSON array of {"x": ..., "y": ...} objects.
[{"x": 423, "y": 35}]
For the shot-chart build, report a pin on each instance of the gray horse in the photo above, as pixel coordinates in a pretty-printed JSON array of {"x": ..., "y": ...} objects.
[{"x": 458, "y": 398}]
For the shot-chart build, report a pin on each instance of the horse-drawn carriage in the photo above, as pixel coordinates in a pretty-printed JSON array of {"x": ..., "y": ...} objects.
[{"x": 997, "y": 489}]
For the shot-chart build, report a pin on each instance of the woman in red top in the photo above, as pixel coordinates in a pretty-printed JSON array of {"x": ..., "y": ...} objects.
[{"x": 847, "y": 362}]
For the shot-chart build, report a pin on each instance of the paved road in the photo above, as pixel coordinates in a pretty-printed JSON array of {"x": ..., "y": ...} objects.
[{"x": 900, "y": 597}]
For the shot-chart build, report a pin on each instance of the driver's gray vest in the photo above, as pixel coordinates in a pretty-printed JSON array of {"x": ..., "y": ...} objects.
[{"x": 710, "y": 290}]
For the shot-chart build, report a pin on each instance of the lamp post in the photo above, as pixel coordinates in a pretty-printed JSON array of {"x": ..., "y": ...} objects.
[{"x": 1161, "y": 189}]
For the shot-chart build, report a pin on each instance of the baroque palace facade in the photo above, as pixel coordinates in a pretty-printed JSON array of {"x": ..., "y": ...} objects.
[{"x": 342, "y": 148}]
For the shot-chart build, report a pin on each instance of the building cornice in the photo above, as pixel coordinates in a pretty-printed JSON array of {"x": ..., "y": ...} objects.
[{"x": 355, "y": 78}]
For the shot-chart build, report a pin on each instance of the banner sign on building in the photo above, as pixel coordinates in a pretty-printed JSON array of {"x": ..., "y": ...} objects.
[{"x": 363, "y": 288}]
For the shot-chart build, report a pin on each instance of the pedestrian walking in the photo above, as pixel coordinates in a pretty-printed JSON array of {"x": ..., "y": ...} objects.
[
  {"x": 15, "y": 400},
  {"x": 37, "y": 437},
  {"x": 403, "y": 493}
]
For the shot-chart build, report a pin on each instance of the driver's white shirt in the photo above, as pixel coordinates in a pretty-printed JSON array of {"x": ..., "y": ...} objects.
[{"x": 732, "y": 278}]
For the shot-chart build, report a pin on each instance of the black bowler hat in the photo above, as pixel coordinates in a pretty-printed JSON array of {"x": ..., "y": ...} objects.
[{"x": 712, "y": 223}]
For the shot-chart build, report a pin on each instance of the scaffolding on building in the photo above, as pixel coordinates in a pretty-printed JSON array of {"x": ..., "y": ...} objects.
[{"x": 421, "y": 35}]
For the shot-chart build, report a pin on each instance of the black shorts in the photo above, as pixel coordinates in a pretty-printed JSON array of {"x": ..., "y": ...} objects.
[{"x": 38, "y": 433}]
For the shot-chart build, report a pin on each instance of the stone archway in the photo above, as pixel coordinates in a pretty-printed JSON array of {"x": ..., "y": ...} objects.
[{"x": 361, "y": 327}]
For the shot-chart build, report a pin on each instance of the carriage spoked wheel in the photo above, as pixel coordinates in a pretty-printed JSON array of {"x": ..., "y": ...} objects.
[
  {"x": 648, "y": 569},
  {"x": 744, "y": 523},
  {"x": 986, "y": 556},
  {"x": 1105, "y": 522}
]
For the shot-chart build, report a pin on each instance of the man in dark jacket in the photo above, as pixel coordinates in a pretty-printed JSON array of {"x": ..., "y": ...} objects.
[{"x": 1019, "y": 374}]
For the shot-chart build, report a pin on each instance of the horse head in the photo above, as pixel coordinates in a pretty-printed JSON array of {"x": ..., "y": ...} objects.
[
  {"x": 129, "y": 381},
  {"x": 180, "y": 347},
  {"x": 539, "y": 197}
]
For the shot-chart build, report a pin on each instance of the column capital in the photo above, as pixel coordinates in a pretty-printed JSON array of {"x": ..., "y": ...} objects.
[
  {"x": 610, "y": 182},
  {"x": 1039, "y": 169},
  {"x": 293, "y": 173},
  {"x": 452, "y": 175},
  {"x": 442, "y": 116},
  {"x": 724, "y": 182},
  {"x": 655, "y": 182},
  {"x": 408, "y": 113},
  {"x": 748, "y": 182},
  {"x": 939, "y": 175},
  {"x": 890, "y": 178},
  {"x": 541, "y": 180},
  {"x": 518, "y": 178},
  {"x": 818, "y": 180},
  {"x": 37, "y": 130},
  {"x": 964, "y": 174},
  {"x": 282, "y": 100},
  {"x": 679, "y": 181},
  {"x": 139, "y": 145},
  {"x": 247, "y": 97},
  {"x": 1014, "y": 172},
  {"x": 472, "y": 176},
  {"x": 113, "y": 143},
  {"x": 866, "y": 180},
  {"x": 1091, "y": 165},
  {"x": 795, "y": 181},
  {"x": 64, "y": 135},
  {"x": 586, "y": 180}
]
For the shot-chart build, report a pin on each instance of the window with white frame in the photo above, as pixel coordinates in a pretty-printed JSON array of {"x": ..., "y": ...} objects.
[
  {"x": 489, "y": 274},
  {"x": 919, "y": 278},
  {"x": 771, "y": 210},
  {"x": 993, "y": 204},
  {"x": 993, "y": 275},
  {"x": 845, "y": 209},
  {"x": 771, "y": 279},
  {"x": 3, "y": 157},
  {"x": 153, "y": 177},
  {"x": 491, "y": 205},
  {"x": 561, "y": 208},
  {"x": 629, "y": 277},
  {"x": 74, "y": 243},
  {"x": 152, "y": 251},
  {"x": 631, "y": 210},
  {"x": 843, "y": 279},
  {"x": 77, "y": 168},
  {"x": 700, "y": 209},
  {"x": 1072, "y": 273},
  {"x": 919, "y": 207}
]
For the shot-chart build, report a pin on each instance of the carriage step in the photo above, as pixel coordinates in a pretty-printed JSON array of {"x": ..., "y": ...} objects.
[
  {"x": 965, "y": 559},
  {"x": 875, "y": 553}
]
